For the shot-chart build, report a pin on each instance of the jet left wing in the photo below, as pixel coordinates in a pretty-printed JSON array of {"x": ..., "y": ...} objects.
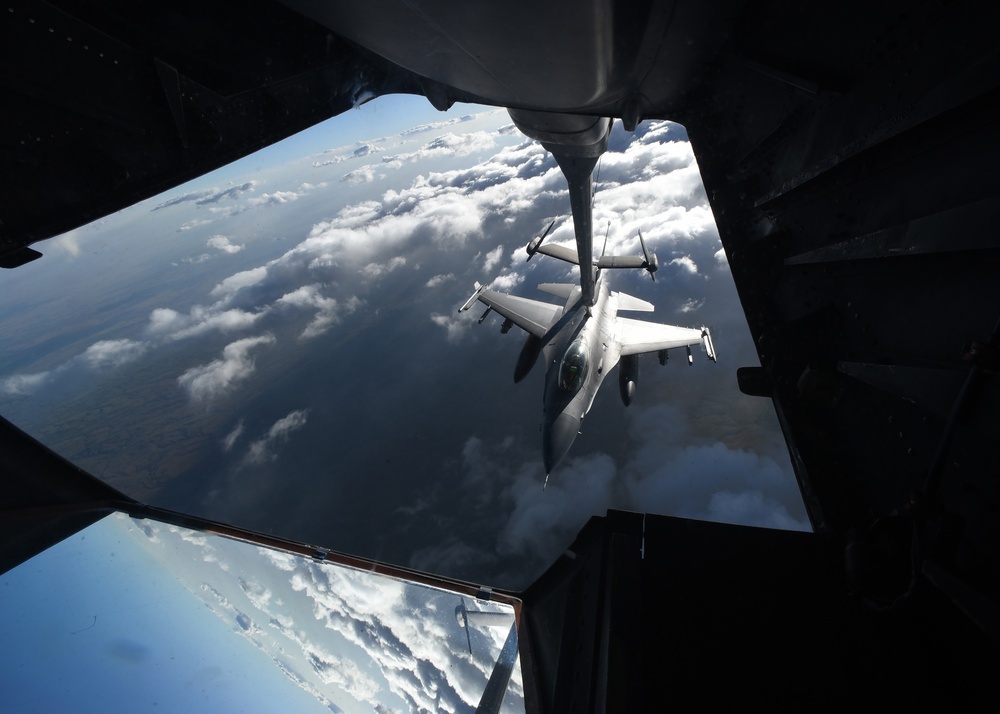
[
  {"x": 639, "y": 336},
  {"x": 533, "y": 316}
]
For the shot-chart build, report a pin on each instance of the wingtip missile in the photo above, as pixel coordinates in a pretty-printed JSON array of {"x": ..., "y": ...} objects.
[
  {"x": 472, "y": 300},
  {"x": 706, "y": 338}
]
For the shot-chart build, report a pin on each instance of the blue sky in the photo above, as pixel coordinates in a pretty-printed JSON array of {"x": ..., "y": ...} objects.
[{"x": 382, "y": 117}]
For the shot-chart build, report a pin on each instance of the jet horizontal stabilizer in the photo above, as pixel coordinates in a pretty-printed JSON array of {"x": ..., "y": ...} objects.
[
  {"x": 621, "y": 261},
  {"x": 561, "y": 290},
  {"x": 535, "y": 243},
  {"x": 562, "y": 252}
]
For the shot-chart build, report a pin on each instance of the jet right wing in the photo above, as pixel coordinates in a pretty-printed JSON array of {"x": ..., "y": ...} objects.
[
  {"x": 639, "y": 336},
  {"x": 532, "y": 316}
]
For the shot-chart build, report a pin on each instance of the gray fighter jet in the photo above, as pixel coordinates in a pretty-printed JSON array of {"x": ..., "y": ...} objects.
[{"x": 582, "y": 343}]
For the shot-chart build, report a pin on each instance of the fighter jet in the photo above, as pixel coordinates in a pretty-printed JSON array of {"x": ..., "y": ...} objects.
[{"x": 582, "y": 343}]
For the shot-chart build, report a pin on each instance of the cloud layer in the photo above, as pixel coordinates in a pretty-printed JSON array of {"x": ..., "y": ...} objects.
[{"x": 338, "y": 333}]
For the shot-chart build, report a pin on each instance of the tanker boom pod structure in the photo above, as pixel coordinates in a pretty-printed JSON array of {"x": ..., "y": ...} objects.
[{"x": 582, "y": 343}]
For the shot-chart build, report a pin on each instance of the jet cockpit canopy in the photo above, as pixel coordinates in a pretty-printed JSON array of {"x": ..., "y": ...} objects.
[{"x": 574, "y": 365}]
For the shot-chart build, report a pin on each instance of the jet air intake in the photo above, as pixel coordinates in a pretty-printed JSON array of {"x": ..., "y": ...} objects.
[{"x": 526, "y": 360}]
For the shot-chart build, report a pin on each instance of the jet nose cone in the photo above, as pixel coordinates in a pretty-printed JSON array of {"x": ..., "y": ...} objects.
[{"x": 557, "y": 436}]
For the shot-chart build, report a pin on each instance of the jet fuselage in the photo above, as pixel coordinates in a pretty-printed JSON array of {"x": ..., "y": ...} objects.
[{"x": 578, "y": 358}]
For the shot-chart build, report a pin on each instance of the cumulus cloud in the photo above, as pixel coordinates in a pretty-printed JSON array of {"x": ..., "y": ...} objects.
[
  {"x": 22, "y": 384},
  {"x": 273, "y": 199},
  {"x": 102, "y": 355},
  {"x": 237, "y": 282},
  {"x": 447, "y": 145},
  {"x": 377, "y": 270},
  {"x": 691, "y": 477},
  {"x": 113, "y": 353},
  {"x": 365, "y": 174},
  {"x": 456, "y": 325},
  {"x": 263, "y": 449},
  {"x": 328, "y": 310},
  {"x": 222, "y": 243},
  {"x": 213, "y": 380},
  {"x": 172, "y": 325},
  {"x": 685, "y": 263},
  {"x": 196, "y": 223},
  {"x": 439, "y": 280},
  {"x": 690, "y": 305},
  {"x": 540, "y": 525},
  {"x": 492, "y": 259},
  {"x": 207, "y": 196}
]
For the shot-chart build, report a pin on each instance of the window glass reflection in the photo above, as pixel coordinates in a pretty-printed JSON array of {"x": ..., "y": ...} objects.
[{"x": 163, "y": 617}]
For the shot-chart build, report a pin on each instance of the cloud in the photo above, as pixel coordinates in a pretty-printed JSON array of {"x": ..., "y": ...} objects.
[
  {"x": 222, "y": 243},
  {"x": 447, "y": 145},
  {"x": 213, "y": 380},
  {"x": 541, "y": 523},
  {"x": 691, "y": 477},
  {"x": 239, "y": 281},
  {"x": 691, "y": 305},
  {"x": 102, "y": 355},
  {"x": 456, "y": 325},
  {"x": 492, "y": 258},
  {"x": 273, "y": 199},
  {"x": 207, "y": 196},
  {"x": 172, "y": 325},
  {"x": 377, "y": 270},
  {"x": 262, "y": 449},
  {"x": 113, "y": 353},
  {"x": 438, "y": 280},
  {"x": 231, "y": 438},
  {"x": 22, "y": 384},
  {"x": 196, "y": 223},
  {"x": 685, "y": 263},
  {"x": 328, "y": 310},
  {"x": 432, "y": 126},
  {"x": 69, "y": 242},
  {"x": 365, "y": 174}
]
